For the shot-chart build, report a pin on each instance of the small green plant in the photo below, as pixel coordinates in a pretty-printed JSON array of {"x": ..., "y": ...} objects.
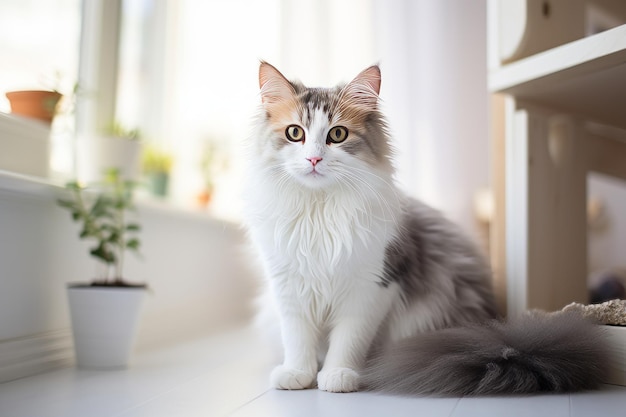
[
  {"x": 117, "y": 130},
  {"x": 155, "y": 160},
  {"x": 103, "y": 216},
  {"x": 69, "y": 90}
]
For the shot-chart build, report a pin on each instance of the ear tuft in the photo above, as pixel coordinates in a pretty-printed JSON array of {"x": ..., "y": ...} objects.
[
  {"x": 274, "y": 86},
  {"x": 364, "y": 89}
]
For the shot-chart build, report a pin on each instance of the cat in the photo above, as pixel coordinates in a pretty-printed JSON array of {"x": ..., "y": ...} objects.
[{"x": 375, "y": 290}]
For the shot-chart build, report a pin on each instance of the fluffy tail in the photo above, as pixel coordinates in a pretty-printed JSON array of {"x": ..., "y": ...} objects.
[{"x": 558, "y": 353}]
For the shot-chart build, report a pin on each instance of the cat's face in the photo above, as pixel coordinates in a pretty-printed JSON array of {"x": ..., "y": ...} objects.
[{"x": 324, "y": 136}]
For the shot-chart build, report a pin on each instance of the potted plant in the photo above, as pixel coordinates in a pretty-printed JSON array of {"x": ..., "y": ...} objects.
[
  {"x": 37, "y": 104},
  {"x": 29, "y": 143},
  {"x": 114, "y": 147},
  {"x": 156, "y": 167},
  {"x": 104, "y": 312},
  {"x": 211, "y": 164}
]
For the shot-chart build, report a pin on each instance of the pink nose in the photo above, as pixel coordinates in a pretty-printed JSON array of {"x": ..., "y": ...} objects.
[{"x": 314, "y": 160}]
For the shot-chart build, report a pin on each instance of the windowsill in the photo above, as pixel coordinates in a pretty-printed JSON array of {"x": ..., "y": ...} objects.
[
  {"x": 28, "y": 184},
  {"x": 14, "y": 183}
]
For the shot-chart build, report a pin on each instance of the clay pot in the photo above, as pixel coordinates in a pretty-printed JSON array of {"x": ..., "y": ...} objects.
[
  {"x": 203, "y": 198},
  {"x": 35, "y": 104}
]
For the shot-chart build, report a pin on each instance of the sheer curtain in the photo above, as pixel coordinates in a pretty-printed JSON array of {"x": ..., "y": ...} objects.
[
  {"x": 214, "y": 51},
  {"x": 434, "y": 91},
  {"x": 433, "y": 56}
]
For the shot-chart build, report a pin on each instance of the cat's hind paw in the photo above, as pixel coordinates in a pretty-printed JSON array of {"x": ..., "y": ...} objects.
[
  {"x": 338, "y": 380},
  {"x": 283, "y": 377}
]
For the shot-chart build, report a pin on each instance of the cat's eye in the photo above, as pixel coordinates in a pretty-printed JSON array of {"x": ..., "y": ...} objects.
[
  {"x": 294, "y": 133},
  {"x": 337, "y": 134}
]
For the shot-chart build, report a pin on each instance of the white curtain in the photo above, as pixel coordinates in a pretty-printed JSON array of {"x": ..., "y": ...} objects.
[
  {"x": 433, "y": 59},
  {"x": 433, "y": 55},
  {"x": 214, "y": 52}
]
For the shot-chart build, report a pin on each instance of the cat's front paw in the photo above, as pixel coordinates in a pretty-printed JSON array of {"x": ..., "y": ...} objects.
[
  {"x": 283, "y": 377},
  {"x": 338, "y": 380}
]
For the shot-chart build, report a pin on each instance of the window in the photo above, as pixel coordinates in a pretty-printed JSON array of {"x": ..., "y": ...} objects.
[
  {"x": 39, "y": 50},
  {"x": 188, "y": 72},
  {"x": 188, "y": 81},
  {"x": 39, "y": 42},
  {"x": 183, "y": 72}
]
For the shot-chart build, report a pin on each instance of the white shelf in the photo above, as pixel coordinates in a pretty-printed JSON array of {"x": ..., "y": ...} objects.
[{"x": 586, "y": 77}]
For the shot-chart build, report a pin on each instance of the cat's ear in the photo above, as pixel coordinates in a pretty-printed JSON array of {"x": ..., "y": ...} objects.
[
  {"x": 364, "y": 89},
  {"x": 274, "y": 86}
]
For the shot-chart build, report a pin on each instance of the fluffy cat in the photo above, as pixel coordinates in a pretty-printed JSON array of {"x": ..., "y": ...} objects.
[{"x": 363, "y": 277}]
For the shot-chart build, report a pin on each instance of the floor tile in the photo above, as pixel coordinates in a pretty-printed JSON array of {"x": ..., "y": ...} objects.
[
  {"x": 215, "y": 393},
  {"x": 514, "y": 406},
  {"x": 227, "y": 375},
  {"x": 153, "y": 377},
  {"x": 610, "y": 401},
  {"x": 309, "y": 403}
]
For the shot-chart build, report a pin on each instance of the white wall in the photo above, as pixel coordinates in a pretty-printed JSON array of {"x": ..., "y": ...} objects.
[
  {"x": 192, "y": 263},
  {"x": 433, "y": 57}
]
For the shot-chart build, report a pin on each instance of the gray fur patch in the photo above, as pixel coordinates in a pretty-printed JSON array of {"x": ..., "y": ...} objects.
[
  {"x": 429, "y": 245},
  {"x": 355, "y": 146},
  {"x": 367, "y": 143},
  {"x": 312, "y": 99}
]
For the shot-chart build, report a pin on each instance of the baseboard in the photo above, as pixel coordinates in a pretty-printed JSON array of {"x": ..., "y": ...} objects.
[
  {"x": 617, "y": 340},
  {"x": 30, "y": 355}
]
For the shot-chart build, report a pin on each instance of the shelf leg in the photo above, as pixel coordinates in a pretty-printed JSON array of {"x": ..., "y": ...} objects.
[{"x": 546, "y": 197}]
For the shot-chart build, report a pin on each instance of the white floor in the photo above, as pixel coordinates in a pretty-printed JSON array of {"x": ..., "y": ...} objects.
[{"x": 227, "y": 376}]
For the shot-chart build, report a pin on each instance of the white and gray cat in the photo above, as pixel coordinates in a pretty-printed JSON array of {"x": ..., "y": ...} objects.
[{"x": 364, "y": 278}]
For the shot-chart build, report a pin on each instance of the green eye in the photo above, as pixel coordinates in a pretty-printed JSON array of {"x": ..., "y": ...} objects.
[
  {"x": 294, "y": 133},
  {"x": 337, "y": 135}
]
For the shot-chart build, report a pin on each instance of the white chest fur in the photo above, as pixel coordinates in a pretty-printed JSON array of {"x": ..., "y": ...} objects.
[{"x": 321, "y": 245}]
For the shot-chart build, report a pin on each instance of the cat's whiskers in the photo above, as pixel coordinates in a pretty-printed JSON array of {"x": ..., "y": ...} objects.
[
  {"x": 346, "y": 181},
  {"x": 388, "y": 184},
  {"x": 359, "y": 181},
  {"x": 275, "y": 176}
]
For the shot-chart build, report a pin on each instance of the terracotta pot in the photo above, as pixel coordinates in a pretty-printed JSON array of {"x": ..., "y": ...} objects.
[
  {"x": 36, "y": 104},
  {"x": 203, "y": 198}
]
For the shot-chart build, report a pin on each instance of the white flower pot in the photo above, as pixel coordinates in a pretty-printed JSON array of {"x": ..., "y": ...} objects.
[
  {"x": 97, "y": 154},
  {"x": 104, "y": 324}
]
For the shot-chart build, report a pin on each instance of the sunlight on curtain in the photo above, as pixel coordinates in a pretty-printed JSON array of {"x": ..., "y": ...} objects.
[
  {"x": 214, "y": 90},
  {"x": 213, "y": 93},
  {"x": 38, "y": 45},
  {"x": 435, "y": 90}
]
